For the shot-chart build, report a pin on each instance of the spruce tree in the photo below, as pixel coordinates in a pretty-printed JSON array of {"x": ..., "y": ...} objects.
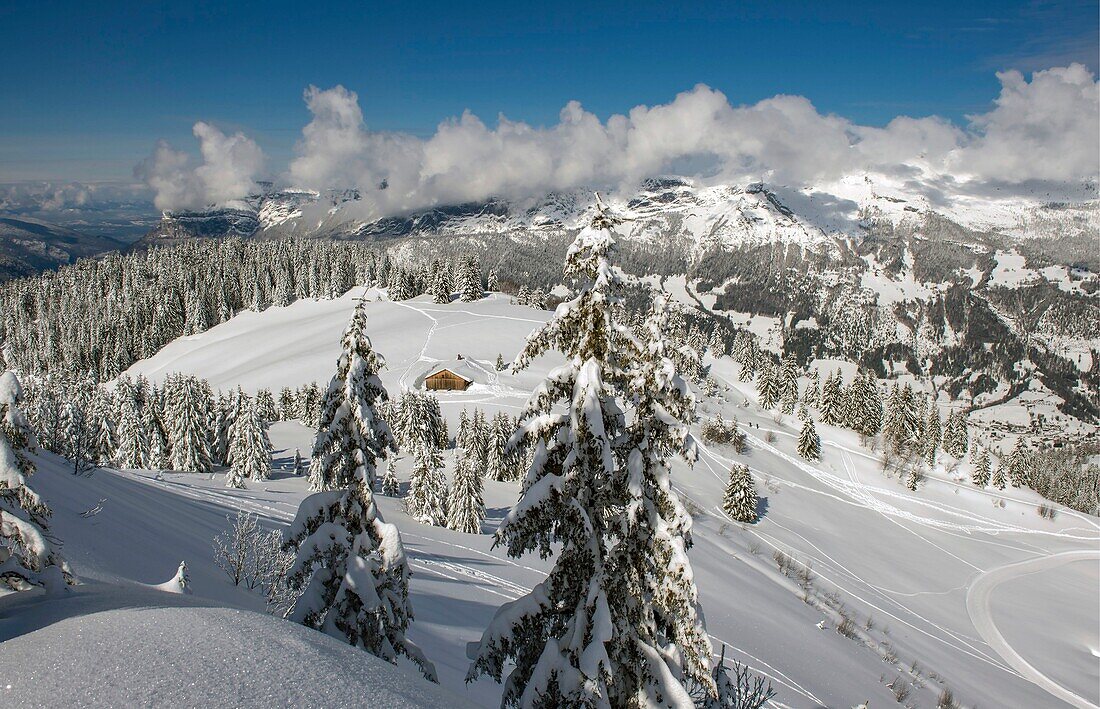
[
  {"x": 981, "y": 472},
  {"x": 767, "y": 385},
  {"x": 1019, "y": 465},
  {"x": 788, "y": 376},
  {"x": 427, "y": 498},
  {"x": 133, "y": 446},
  {"x": 595, "y": 632},
  {"x": 351, "y": 570},
  {"x": 390, "y": 486},
  {"x": 809, "y": 443},
  {"x": 831, "y": 404},
  {"x": 739, "y": 501},
  {"x": 27, "y": 554},
  {"x": 465, "y": 506},
  {"x": 998, "y": 480},
  {"x": 469, "y": 284},
  {"x": 190, "y": 417},
  {"x": 932, "y": 436},
  {"x": 251, "y": 448}
]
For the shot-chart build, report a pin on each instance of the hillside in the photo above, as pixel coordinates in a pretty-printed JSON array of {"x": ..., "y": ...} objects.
[
  {"x": 28, "y": 246},
  {"x": 933, "y": 587}
]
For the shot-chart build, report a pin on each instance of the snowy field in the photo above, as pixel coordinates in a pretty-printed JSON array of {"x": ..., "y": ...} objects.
[{"x": 948, "y": 586}]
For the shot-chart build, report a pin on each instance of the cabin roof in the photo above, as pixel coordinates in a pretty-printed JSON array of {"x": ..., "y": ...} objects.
[{"x": 440, "y": 370}]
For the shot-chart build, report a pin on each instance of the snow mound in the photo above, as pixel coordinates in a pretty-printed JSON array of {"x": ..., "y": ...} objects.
[{"x": 133, "y": 646}]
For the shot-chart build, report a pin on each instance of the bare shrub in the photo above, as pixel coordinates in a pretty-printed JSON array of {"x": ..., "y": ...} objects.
[
  {"x": 1046, "y": 511},
  {"x": 847, "y": 628},
  {"x": 255, "y": 559}
]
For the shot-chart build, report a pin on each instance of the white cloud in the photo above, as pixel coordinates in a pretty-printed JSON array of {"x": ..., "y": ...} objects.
[
  {"x": 1048, "y": 129},
  {"x": 1042, "y": 130},
  {"x": 230, "y": 166}
]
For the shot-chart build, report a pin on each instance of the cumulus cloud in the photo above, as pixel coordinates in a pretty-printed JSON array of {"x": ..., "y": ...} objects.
[
  {"x": 229, "y": 168},
  {"x": 1045, "y": 129}
]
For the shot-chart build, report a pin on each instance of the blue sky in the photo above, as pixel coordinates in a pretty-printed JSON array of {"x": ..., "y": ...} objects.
[{"x": 89, "y": 87}]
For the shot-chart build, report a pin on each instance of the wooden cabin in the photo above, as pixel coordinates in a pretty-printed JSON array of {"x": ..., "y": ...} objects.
[{"x": 445, "y": 379}]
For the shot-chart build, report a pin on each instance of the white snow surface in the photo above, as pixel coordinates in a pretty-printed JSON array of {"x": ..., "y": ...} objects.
[{"x": 900, "y": 562}]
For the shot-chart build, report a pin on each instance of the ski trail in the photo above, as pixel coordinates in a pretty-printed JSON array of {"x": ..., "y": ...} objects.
[
  {"x": 227, "y": 499},
  {"x": 423, "y": 356},
  {"x": 977, "y": 605}
]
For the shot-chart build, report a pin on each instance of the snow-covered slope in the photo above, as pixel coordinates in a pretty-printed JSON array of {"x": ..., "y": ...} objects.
[{"x": 901, "y": 565}]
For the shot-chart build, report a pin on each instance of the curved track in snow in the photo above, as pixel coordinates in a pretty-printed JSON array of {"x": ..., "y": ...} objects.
[{"x": 977, "y": 605}]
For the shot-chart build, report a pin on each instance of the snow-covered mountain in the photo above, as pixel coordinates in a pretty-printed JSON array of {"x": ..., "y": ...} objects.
[{"x": 662, "y": 210}]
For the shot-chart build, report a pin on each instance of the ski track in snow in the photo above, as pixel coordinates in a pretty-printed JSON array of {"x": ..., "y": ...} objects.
[
  {"x": 977, "y": 605},
  {"x": 270, "y": 511}
]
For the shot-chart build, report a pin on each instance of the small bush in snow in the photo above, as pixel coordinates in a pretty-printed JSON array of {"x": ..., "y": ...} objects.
[
  {"x": 1045, "y": 511},
  {"x": 255, "y": 558},
  {"x": 719, "y": 431}
]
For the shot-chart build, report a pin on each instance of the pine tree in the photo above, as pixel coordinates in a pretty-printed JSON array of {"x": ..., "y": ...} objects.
[
  {"x": 27, "y": 554},
  {"x": 133, "y": 446},
  {"x": 1019, "y": 465},
  {"x": 788, "y": 376},
  {"x": 500, "y": 365},
  {"x": 767, "y": 385},
  {"x": 981, "y": 469},
  {"x": 999, "y": 477},
  {"x": 159, "y": 453},
  {"x": 351, "y": 570},
  {"x": 469, "y": 280},
  {"x": 809, "y": 443},
  {"x": 427, "y": 498},
  {"x": 441, "y": 287},
  {"x": 740, "y": 498},
  {"x": 250, "y": 445},
  {"x": 932, "y": 436},
  {"x": 598, "y": 494},
  {"x": 390, "y": 486},
  {"x": 297, "y": 463},
  {"x": 189, "y": 415},
  {"x": 465, "y": 506},
  {"x": 831, "y": 405}
]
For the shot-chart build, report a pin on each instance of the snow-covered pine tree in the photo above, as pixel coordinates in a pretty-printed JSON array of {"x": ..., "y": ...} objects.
[
  {"x": 809, "y": 443},
  {"x": 492, "y": 283},
  {"x": 932, "y": 436},
  {"x": 740, "y": 501},
  {"x": 251, "y": 448},
  {"x": 788, "y": 384},
  {"x": 956, "y": 439},
  {"x": 297, "y": 463},
  {"x": 265, "y": 406},
  {"x": 189, "y": 412},
  {"x": 133, "y": 445},
  {"x": 811, "y": 395},
  {"x": 27, "y": 555},
  {"x": 441, "y": 287},
  {"x": 159, "y": 453},
  {"x": 469, "y": 280},
  {"x": 465, "y": 506},
  {"x": 981, "y": 473},
  {"x": 831, "y": 406},
  {"x": 867, "y": 405},
  {"x": 427, "y": 498},
  {"x": 998, "y": 480},
  {"x": 351, "y": 570},
  {"x": 1019, "y": 464},
  {"x": 500, "y": 366},
  {"x": 106, "y": 442},
  {"x": 597, "y": 631},
  {"x": 390, "y": 485},
  {"x": 767, "y": 385}
]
